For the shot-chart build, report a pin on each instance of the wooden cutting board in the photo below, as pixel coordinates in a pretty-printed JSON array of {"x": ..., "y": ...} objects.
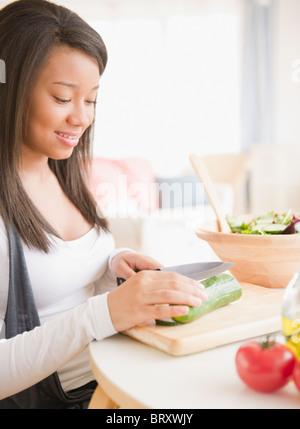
[{"x": 257, "y": 312}]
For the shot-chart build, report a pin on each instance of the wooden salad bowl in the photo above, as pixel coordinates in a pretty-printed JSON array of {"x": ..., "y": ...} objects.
[{"x": 265, "y": 260}]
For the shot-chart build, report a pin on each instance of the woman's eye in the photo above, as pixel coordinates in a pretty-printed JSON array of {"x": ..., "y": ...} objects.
[
  {"x": 61, "y": 100},
  {"x": 94, "y": 102},
  {"x": 64, "y": 101}
]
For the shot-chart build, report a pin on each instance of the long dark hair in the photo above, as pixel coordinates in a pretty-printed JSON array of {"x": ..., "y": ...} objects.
[{"x": 29, "y": 30}]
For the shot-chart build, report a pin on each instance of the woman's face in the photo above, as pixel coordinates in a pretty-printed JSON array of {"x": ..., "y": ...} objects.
[{"x": 63, "y": 104}]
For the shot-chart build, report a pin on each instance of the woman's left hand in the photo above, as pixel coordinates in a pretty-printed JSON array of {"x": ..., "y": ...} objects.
[{"x": 126, "y": 264}]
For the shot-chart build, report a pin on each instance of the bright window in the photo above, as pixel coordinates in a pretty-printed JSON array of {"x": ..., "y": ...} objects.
[{"x": 172, "y": 85}]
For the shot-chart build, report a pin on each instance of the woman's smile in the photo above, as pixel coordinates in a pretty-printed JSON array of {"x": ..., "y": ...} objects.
[{"x": 70, "y": 139}]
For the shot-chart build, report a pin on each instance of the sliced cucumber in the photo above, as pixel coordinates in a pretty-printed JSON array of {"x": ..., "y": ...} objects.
[
  {"x": 274, "y": 228},
  {"x": 221, "y": 290},
  {"x": 263, "y": 221},
  {"x": 235, "y": 221},
  {"x": 166, "y": 322},
  {"x": 259, "y": 228}
]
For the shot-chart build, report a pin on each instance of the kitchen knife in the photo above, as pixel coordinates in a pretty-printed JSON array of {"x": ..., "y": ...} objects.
[{"x": 196, "y": 270}]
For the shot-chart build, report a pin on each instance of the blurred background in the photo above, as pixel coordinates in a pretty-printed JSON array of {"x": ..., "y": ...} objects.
[{"x": 209, "y": 77}]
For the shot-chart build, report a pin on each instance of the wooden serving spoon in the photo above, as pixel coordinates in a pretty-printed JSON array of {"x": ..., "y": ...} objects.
[{"x": 204, "y": 176}]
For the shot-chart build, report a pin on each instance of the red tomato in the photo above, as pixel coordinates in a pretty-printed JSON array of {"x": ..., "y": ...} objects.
[
  {"x": 296, "y": 374},
  {"x": 265, "y": 366}
]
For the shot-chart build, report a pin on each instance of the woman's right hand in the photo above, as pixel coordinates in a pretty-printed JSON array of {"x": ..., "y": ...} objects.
[{"x": 144, "y": 296}]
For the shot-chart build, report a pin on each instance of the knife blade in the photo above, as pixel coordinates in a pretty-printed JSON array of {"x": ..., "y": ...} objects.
[
  {"x": 196, "y": 270},
  {"x": 200, "y": 270}
]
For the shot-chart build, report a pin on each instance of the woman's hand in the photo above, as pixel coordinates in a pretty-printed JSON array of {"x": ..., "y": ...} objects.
[
  {"x": 125, "y": 264},
  {"x": 145, "y": 296}
]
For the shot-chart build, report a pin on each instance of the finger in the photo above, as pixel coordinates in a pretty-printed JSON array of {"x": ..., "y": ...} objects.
[
  {"x": 125, "y": 270},
  {"x": 152, "y": 264},
  {"x": 168, "y": 311},
  {"x": 141, "y": 262},
  {"x": 167, "y": 296},
  {"x": 176, "y": 279},
  {"x": 173, "y": 281}
]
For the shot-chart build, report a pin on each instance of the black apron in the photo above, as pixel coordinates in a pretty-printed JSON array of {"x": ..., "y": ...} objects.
[{"x": 21, "y": 315}]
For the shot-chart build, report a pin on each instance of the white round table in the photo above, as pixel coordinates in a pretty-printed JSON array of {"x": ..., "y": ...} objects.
[{"x": 133, "y": 375}]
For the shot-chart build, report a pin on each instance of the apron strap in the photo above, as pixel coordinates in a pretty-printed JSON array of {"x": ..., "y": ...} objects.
[{"x": 21, "y": 313}]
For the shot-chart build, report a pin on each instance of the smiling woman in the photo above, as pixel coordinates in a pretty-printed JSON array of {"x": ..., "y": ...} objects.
[{"x": 58, "y": 265}]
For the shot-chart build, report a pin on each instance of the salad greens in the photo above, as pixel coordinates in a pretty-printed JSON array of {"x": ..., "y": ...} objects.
[{"x": 271, "y": 223}]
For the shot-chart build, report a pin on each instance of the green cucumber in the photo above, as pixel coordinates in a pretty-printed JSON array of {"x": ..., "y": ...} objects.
[
  {"x": 274, "y": 228},
  {"x": 166, "y": 322},
  {"x": 221, "y": 290}
]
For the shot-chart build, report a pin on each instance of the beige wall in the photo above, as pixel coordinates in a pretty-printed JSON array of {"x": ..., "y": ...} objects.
[
  {"x": 275, "y": 180},
  {"x": 287, "y": 93}
]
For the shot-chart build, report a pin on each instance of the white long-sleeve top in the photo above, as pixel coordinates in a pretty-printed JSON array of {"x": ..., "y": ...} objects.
[{"x": 70, "y": 285}]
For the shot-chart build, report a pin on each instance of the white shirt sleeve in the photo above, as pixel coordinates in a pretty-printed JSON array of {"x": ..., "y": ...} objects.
[{"x": 77, "y": 328}]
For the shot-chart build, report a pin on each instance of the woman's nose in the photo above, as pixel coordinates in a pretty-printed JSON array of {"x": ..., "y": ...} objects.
[{"x": 79, "y": 117}]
